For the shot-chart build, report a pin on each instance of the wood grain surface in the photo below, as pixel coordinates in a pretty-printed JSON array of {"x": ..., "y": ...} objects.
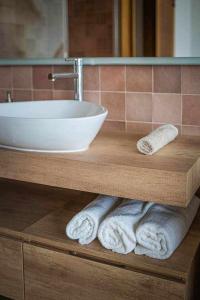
[
  {"x": 11, "y": 269},
  {"x": 37, "y": 216},
  {"x": 113, "y": 166},
  {"x": 50, "y": 232},
  {"x": 53, "y": 275},
  {"x": 23, "y": 204}
]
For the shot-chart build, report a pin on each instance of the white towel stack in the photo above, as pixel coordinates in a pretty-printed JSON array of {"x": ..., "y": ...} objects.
[
  {"x": 163, "y": 228},
  {"x": 143, "y": 227},
  {"x": 117, "y": 231},
  {"x": 84, "y": 225},
  {"x": 157, "y": 139}
]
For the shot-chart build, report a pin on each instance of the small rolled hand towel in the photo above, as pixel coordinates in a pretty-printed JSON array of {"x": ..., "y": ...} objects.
[
  {"x": 117, "y": 231},
  {"x": 163, "y": 228},
  {"x": 84, "y": 225},
  {"x": 157, "y": 139}
]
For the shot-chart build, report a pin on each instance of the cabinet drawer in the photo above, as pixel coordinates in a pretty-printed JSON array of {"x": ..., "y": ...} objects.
[
  {"x": 54, "y": 275},
  {"x": 11, "y": 269}
]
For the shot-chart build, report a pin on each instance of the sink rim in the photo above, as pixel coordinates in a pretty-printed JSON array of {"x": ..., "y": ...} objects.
[
  {"x": 43, "y": 151},
  {"x": 103, "y": 111}
]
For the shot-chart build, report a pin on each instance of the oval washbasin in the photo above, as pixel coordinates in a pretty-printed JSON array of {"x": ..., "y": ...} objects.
[{"x": 50, "y": 126}]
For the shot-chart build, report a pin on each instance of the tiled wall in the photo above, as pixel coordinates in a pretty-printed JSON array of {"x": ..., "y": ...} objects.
[
  {"x": 90, "y": 28},
  {"x": 138, "y": 98}
]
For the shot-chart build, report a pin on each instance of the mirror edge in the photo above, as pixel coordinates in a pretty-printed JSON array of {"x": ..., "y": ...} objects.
[{"x": 107, "y": 61}]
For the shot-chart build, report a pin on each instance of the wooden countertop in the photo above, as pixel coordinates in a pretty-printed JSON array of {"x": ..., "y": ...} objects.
[
  {"x": 38, "y": 215},
  {"x": 113, "y": 166}
]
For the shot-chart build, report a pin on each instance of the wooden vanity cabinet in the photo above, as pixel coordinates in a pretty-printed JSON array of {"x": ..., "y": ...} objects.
[
  {"x": 55, "y": 275},
  {"x": 38, "y": 261},
  {"x": 58, "y": 268},
  {"x": 11, "y": 269}
]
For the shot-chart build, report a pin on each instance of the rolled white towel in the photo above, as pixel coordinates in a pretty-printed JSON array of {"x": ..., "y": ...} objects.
[
  {"x": 117, "y": 231},
  {"x": 157, "y": 139},
  {"x": 163, "y": 228},
  {"x": 84, "y": 225}
]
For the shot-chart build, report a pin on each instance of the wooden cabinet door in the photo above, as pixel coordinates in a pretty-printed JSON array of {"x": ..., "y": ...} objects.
[
  {"x": 55, "y": 275},
  {"x": 11, "y": 269}
]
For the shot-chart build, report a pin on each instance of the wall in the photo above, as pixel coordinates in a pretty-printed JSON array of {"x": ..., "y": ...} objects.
[
  {"x": 138, "y": 98},
  {"x": 187, "y": 28}
]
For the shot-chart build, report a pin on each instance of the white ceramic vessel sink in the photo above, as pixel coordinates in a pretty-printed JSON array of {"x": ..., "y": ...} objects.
[{"x": 50, "y": 126}]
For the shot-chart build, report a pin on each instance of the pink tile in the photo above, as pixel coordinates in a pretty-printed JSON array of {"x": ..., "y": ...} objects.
[
  {"x": 167, "y": 79},
  {"x": 191, "y": 110},
  {"x": 191, "y": 79},
  {"x": 139, "y": 128},
  {"x": 191, "y": 130},
  {"x": 115, "y": 103},
  {"x": 40, "y": 77},
  {"x": 139, "y": 78},
  {"x": 22, "y": 77},
  {"x": 166, "y": 108},
  {"x": 62, "y": 95},
  {"x": 91, "y": 78},
  {"x": 112, "y": 78},
  {"x": 5, "y": 77},
  {"x": 3, "y": 95},
  {"x": 139, "y": 107},
  {"x": 113, "y": 125},
  {"x": 42, "y": 94},
  {"x": 65, "y": 83},
  {"x": 22, "y": 95},
  {"x": 92, "y": 96}
]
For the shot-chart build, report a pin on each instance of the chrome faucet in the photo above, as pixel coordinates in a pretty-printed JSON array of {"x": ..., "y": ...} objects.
[
  {"x": 77, "y": 75},
  {"x": 8, "y": 98}
]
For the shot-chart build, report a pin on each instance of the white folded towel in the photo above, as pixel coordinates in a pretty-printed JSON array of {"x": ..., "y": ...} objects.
[
  {"x": 84, "y": 225},
  {"x": 163, "y": 228},
  {"x": 157, "y": 139},
  {"x": 117, "y": 231}
]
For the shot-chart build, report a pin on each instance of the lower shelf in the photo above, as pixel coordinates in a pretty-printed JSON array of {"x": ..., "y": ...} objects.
[{"x": 34, "y": 218}]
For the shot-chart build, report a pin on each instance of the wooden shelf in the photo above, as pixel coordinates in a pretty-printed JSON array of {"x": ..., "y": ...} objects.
[
  {"x": 38, "y": 215},
  {"x": 50, "y": 232},
  {"x": 114, "y": 166},
  {"x": 22, "y": 204}
]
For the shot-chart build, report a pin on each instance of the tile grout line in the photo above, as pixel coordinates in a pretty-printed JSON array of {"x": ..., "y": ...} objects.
[
  {"x": 115, "y": 120},
  {"x": 99, "y": 83},
  {"x": 92, "y": 91},
  {"x": 191, "y": 126},
  {"x": 142, "y": 122}
]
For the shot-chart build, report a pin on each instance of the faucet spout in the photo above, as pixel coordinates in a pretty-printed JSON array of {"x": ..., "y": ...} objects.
[
  {"x": 54, "y": 76},
  {"x": 77, "y": 75}
]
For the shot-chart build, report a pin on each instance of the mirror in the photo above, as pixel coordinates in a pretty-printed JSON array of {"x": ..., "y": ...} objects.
[
  {"x": 92, "y": 28},
  {"x": 33, "y": 29}
]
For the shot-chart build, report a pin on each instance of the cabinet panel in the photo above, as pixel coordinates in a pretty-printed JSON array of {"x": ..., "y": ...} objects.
[
  {"x": 11, "y": 269},
  {"x": 55, "y": 275}
]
